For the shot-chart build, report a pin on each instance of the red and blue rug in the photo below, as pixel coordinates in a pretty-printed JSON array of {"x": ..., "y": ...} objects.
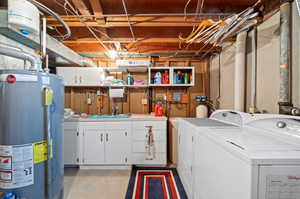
[{"x": 155, "y": 183}]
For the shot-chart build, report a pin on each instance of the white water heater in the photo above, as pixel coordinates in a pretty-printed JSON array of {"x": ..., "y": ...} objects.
[{"x": 24, "y": 16}]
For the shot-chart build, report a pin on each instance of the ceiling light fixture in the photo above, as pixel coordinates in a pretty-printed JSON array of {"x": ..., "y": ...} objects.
[{"x": 113, "y": 54}]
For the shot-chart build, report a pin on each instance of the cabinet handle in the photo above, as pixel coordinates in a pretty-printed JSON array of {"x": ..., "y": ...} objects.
[
  {"x": 125, "y": 133},
  {"x": 106, "y": 137},
  {"x": 80, "y": 79},
  {"x": 101, "y": 137}
]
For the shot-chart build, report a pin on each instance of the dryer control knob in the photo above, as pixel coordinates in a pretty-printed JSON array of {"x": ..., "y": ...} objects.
[{"x": 281, "y": 124}]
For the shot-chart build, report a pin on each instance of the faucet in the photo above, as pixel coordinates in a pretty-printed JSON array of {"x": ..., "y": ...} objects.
[{"x": 115, "y": 110}]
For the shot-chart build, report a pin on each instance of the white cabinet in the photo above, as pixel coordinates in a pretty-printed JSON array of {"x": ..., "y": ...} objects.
[
  {"x": 114, "y": 143},
  {"x": 118, "y": 143},
  {"x": 71, "y": 144},
  {"x": 106, "y": 143},
  {"x": 93, "y": 146},
  {"x": 69, "y": 75},
  {"x": 117, "y": 147},
  {"x": 80, "y": 76},
  {"x": 139, "y": 141}
]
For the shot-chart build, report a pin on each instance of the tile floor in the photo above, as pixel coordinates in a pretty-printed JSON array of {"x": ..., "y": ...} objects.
[{"x": 95, "y": 184}]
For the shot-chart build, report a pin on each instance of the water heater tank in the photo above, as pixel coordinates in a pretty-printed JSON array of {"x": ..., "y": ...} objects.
[
  {"x": 30, "y": 125},
  {"x": 24, "y": 16}
]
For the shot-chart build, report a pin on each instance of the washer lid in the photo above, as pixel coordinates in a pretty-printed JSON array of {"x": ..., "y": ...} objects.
[
  {"x": 252, "y": 140},
  {"x": 255, "y": 145},
  {"x": 205, "y": 122},
  {"x": 232, "y": 117}
]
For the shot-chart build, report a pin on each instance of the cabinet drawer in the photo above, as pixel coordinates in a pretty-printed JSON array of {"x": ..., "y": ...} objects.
[
  {"x": 140, "y": 147},
  {"x": 71, "y": 125},
  {"x": 140, "y": 158},
  {"x": 118, "y": 125},
  {"x": 140, "y": 135},
  {"x": 155, "y": 125},
  {"x": 99, "y": 125}
]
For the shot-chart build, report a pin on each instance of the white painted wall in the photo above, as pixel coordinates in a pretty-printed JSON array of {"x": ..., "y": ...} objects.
[{"x": 268, "y": 62}]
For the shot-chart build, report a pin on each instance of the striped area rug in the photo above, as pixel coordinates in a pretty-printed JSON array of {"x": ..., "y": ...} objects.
[{"x": 155, "y": 183}]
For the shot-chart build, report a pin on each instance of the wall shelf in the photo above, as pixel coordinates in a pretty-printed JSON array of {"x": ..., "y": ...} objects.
[{"x": 190, "y": 71}]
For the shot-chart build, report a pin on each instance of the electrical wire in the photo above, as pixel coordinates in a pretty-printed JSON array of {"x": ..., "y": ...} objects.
[
  {"x": 185, "y": 9},
  {"x": 75, "y": 12},
  {"x": 128, "y": 19},
  {"x": 55, "y": 15}
]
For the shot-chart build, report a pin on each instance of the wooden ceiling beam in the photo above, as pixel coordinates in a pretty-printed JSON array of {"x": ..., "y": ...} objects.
[
  {"x": 96, "y": 48},
  {"x": 137, "y": 19},
  {"x": 124, "y": 40},
  {"x": 125, "y": 24},
  {"x": 97, "y": 10},
  {"x": 79, "y": 4}
]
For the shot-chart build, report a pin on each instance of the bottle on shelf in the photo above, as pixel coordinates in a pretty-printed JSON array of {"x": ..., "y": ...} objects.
[
  {"x": 179, "y": 77},
  {"x": 165, "y": 77},
  {"x": 158, "y": 109},
  {"x": 157, "y": 78},
  {"x": 130, "y": 79},
  {"x": 186, "y": 78}
]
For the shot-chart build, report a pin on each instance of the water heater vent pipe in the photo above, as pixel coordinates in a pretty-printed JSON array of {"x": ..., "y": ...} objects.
[{"x": 10, "y": 51}]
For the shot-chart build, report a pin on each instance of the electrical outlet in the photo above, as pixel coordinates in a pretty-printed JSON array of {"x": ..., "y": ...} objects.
[
  {"x": 144, "y": 101},
  {"x": 89, "y": 101}
]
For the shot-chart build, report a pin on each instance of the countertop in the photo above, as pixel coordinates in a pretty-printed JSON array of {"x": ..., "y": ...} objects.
[{"x": 134, "y": 117}]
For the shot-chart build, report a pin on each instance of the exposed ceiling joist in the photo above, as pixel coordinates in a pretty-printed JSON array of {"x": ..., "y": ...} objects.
[
  {"x": 129, "y": 40},
  {"x": 79, "y": 4},
  {"x": 97, "y": 10},
  {"x": 125, "y": 24},
  {"x": 137, "y": 18},
  {"x": 125, "y": 40}
]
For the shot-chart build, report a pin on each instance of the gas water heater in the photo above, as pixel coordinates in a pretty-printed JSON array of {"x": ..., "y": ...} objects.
[{"x": 31, "y": 139}]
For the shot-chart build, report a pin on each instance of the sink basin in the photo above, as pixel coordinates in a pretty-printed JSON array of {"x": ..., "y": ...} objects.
[{"x": 109, "y": 116}]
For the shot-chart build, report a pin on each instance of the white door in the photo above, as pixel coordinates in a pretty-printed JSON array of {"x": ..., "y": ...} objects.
[
  {"x": 69, "y": 75},
  {"x": 117, "y": 147},
  {"x": 71, "y": 145},
  {"x": 89, "y": 76},
  {"x": 93, "y": 146},
  {"x": 279, "y": 182}
]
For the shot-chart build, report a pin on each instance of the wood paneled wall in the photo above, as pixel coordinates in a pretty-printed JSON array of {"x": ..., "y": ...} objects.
[{"x": 76, "y": 97}]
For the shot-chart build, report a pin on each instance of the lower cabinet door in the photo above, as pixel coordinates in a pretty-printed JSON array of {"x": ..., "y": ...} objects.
[
  {"x": 93, "y": 146},
  {"x": 71, "y": 145},
  {"x": 117, "y": 147}
]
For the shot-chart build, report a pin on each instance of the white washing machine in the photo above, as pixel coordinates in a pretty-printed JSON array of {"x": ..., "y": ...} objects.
[
  {"x": 259, "y": 160},
  {"x": 188, "y": 132}
]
